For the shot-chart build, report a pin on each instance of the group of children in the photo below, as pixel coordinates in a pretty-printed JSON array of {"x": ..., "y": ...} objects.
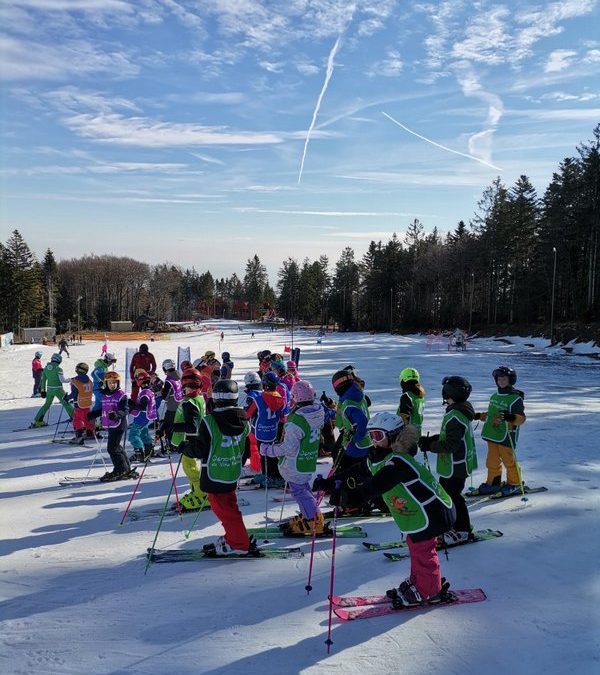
[
  {"x": 431, "y": 513},
  {"x": 280, "y": 429}
]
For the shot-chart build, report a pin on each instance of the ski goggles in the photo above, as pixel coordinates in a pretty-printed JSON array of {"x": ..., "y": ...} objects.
[{"x": 377, "y": 435}]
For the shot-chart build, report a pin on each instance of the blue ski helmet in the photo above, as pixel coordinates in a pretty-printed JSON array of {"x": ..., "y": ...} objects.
[
  {"x": 56, "y": 358},
  {"x": 38, "y": 355}
]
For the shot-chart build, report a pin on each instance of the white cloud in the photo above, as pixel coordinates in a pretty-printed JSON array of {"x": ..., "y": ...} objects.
[
  {"x": 207, "y": 159},
  {"x": 391, "y": 66},
  {"x": 272, "y": 66},
  {"x": 558, "y": 60},
  {"x": 26, "y": 60},
  {"x": 592, "y": 56},
  {"x": 332, "y": 214},
  {"x": 144, "y": 132},
  {"x": 563, "y": 96},
  {"x": 307, "y": 68}
]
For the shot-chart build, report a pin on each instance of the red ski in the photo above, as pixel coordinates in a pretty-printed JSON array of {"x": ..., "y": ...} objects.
[{"x": 367, "y": 607}]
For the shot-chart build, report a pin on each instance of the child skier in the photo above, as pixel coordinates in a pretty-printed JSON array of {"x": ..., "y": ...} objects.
[
  {"x": 114, "y": 411},
  {"x": 352, "y": 418},
  {"x": 51, "y": 387},
  {"x": 171, "y": 395},
  {"x": 82, "y": 396},
  {"x": 253, "y": 389},
  {"x": 185, "y": 427},
  {"x": 504, "y": 416},
  {"x": 101, "y": 367},
  {"x": 226, "y": 367},
  {"x": 412, "y": 401},
  {"x": 221, "y": 444},
  {"x": 455, "y": 447},
  {"x": 419, "y": 505},
  {"x": 266, "y": 411},
  {"x": 143, "y": 411},
  {"x": 36, "y": 373},
  {"x": 297, "y": 454}
]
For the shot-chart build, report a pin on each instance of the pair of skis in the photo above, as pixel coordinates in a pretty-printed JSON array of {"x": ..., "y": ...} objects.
[
  {"x": 343, "y": 531},
  {"x": 473, "y": 496},
  {"x": 195, "y": 554},
  {"x": 349, "y": 608}
]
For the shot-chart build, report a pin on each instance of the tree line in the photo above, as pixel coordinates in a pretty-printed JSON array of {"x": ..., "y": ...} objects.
[{"x": 521, "y": 258}]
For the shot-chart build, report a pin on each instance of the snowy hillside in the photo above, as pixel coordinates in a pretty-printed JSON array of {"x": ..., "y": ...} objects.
[{"x": 74, "y": 598}]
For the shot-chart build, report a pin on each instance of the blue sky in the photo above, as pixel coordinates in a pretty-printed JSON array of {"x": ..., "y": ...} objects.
[{"x": 203, "y": 131}]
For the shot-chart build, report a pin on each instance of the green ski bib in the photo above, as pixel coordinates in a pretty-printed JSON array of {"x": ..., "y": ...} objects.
[
  {"x": 446, "y": 461},
  {"x": 224, "y": 464},
  {"x": 499, "y": 432},
  {"x": 306, "y": 459},
  {"x": 408, "y": 511},
  {"x": 180, "y": 436}
]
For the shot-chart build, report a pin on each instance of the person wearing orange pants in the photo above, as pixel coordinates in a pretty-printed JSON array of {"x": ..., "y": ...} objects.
[{"x": 504, "y": 416}]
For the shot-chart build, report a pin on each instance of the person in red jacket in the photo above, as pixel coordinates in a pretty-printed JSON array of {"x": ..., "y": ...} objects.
[
  {"x": 142, "y": 360},
  {"x": 36, "y": 372}
]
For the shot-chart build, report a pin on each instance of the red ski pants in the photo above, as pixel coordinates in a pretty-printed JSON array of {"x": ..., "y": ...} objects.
[
  {"x": 225, "y": 507},
  {"x": 81, "y": 422},
  {"x": 425, "y": 566}
]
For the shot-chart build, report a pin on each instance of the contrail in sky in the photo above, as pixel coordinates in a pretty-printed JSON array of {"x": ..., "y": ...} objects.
[
  {"x": 328, "y": 74},
  {"x": 438, "y": 145}
]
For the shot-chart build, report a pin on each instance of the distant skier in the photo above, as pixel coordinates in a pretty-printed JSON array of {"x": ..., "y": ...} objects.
[
  {"x": 63, "y": 346},
  {"x": 226, "y": 367},
  {"x": 36, "y": 373}
]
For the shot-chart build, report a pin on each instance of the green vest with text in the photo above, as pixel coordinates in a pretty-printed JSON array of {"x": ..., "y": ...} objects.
[
  {"x": 499, "y": 432},
  {"x": 306, "y": 459},
  {"x": 224, "y": 464},
  {"x": 179, "y": 436},
  {"x": 447, "y": 460},
  {"x": 409, "y": 512}
]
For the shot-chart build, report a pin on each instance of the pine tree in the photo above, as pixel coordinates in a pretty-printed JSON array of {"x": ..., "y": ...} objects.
[{"x": 255, "y": 282}]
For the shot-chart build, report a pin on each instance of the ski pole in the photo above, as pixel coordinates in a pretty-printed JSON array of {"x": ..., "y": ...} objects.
[
  {"x": 58, "y": 423},
  {"x": 425, "y": 458},
  {"x": 202, "y": 506},
  {"x": 162, "y": 517},
  {"x": 283, "y": 502},
  {"x": 133, "y": 494},
  {"x": 177, "y": 502},
  {"x": 519, "y": 474},
  {"x": 329, "y": 641},
  {"x": 266, "y": 541}
]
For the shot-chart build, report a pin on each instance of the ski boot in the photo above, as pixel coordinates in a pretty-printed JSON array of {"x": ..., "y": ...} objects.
[
  {"x": 507, "y": 490},
  {"x": 273, "y": 483},
  {"x": 393, "y": 593},
  {"x": 138, "y": 456},
  {"x": 194, "y": 501},
  {"x": 132, "y": 473},
  {"x": 300, "y": 525},
  {"x": 489, "y": 488},
  {"x": 220, "y": 547},
  {"x": 258, "y": 479},
  {"x": 148, "y": 452},
  {"x": 111, "y": 476},
  {"x": 454, "y": 538},
  {"x": 37, "y": 424},
  {"x": 77, "y": 439}
]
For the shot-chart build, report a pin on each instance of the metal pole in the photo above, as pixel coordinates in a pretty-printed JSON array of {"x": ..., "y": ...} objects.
[
  {"x": 391, "y": 309},
  {"x": 552, "y": 305},
  {"x": 471, "y": 303}
]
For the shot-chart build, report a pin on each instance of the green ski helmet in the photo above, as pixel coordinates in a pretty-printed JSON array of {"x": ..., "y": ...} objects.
[{"x": 409, "y": 374}]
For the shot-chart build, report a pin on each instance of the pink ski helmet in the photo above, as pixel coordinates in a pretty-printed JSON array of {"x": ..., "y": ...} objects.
[
  {"x": 303, "y": 392},
  {"x": 291, "y": 366}
]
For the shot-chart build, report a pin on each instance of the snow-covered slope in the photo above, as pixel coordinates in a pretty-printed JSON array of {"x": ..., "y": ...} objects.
[{"x": 74, "y": 597}]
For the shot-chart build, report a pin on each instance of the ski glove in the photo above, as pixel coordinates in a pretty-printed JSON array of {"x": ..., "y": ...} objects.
[
  {"x": 508, "y": 416},
  {"x": 425, "y": 442},
  {"x": 477, "y": 416},
  {"x": 43, "y": 394},
  {"x": 112, "y": 415},
  {"x": 321, "y": 484}
]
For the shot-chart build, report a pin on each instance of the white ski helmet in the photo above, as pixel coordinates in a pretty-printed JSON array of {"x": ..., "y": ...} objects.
[
  {"x": 387, "y": 422},
  {"x": 251, "y": 378},
  {"x": 303, "y": 392},
  {"x": 168, "y": 364}
]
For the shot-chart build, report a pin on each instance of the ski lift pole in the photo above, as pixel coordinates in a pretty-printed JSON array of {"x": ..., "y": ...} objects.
[{"x": 162, "y": 517}]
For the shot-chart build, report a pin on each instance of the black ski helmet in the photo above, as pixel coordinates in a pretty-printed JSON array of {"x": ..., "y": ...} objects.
[
  {"x": 511, "y": 373},
  {"x": 457, "y": 388},
  {"x": 342, "y": 380},
  {"x": 225, "y": 393}
]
